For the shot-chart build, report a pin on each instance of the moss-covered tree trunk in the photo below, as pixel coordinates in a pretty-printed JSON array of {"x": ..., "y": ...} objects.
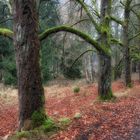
[
  {"x": 127, "y": 59},
  {"x": 104, "y": 86},
  {"x": 27, "y": 45}
]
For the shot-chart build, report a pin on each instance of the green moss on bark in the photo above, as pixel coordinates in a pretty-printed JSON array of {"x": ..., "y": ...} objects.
[
  {"x": 108, "y": 96},
  {"x": 129, "y": 85},
  {"x": 77, "y": 32},
  {"x": 38, "y": 118},
  {"x": 6, "y": 32}
]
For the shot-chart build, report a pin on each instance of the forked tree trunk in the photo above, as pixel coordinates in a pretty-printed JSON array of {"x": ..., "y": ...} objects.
[
  {"x": 27, "y": 45},
  {"x": 104, "y": 85}
]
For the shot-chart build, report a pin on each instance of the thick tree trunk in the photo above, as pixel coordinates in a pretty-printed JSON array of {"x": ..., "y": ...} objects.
[
  {"x": 104, "y": 85},
  {"x": 27, "y": 45},
  {"x": 127, "y": 60}
]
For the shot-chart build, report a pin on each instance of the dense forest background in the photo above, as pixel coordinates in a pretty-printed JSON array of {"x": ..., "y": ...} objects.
[
  {"x": 48, "y": 50},
  {"x": 58, "y": 53}
]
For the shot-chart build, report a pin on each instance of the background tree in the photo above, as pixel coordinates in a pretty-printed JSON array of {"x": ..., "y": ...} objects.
[
  {"x": 49, "y": 17},
  {"x": 7, "y": 61},
  {"x": 127, "y": 58}
]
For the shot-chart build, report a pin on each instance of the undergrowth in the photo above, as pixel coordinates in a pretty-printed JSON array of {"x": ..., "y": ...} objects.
[
  {"x": 76, "y": 90},
  {"x": 46, "y": 130}
]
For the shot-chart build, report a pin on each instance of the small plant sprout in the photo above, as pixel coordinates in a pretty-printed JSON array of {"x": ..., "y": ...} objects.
[{"x": 76, "y": 89}]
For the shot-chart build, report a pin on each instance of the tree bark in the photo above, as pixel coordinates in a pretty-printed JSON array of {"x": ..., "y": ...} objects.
[
  {"x": 127, "y": 60},
  {"x": 27, "y": 45},
  {"x": 104, "y": 85}
]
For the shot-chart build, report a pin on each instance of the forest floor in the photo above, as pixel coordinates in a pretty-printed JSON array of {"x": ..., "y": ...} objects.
[{"x": 115, "y": 120}]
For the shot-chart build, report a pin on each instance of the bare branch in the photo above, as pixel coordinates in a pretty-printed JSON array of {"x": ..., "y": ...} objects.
[
  {"x": 136, "y": 35},
  {"x": 97, "y": 27},
  {"x": 80, "y": 57},
  {"x": 116, "y": 20}
]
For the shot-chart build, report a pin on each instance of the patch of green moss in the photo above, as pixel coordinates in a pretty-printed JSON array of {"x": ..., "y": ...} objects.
[
  {"x": 83, "y": 35},
  {"x": 23, "y": 134},
  {"x": 129, "y": 85},
  {"x": 104, "y": 30},
  {"x": 106, "y": 49},
  {"x": 107, "y": 17},
  {"x": 36, "y": 134},
  {"x": 38, "y": 118},
  {"x": 47, "y": 129},
  {"x": 76, "y": 89},
  {"x": 65, "y": 121},
  {"x": 49, "y": 126},
  {"x": 5, "y": 32},
  {"x": 107, "y": 97}
]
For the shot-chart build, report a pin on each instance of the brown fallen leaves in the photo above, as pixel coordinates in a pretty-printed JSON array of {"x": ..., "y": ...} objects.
[
  {"x": 118, "y": 120},
  {"x": 106, "y": 121},
  {"x": 8, "y": 119}
]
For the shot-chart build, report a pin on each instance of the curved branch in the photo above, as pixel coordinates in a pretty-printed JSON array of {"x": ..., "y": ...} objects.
[
  {"x": 80, "y": 57},
  {"x": 95, "y": 12},
  {"x": 6, "y": 33},
  {"x": 135, "y": 5},
  {"x": 81, "y": 20},
  {"x": 72, "y": 26},
  {"x": 134, "y": 12},
  {"x": 79, "y": 33}
]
